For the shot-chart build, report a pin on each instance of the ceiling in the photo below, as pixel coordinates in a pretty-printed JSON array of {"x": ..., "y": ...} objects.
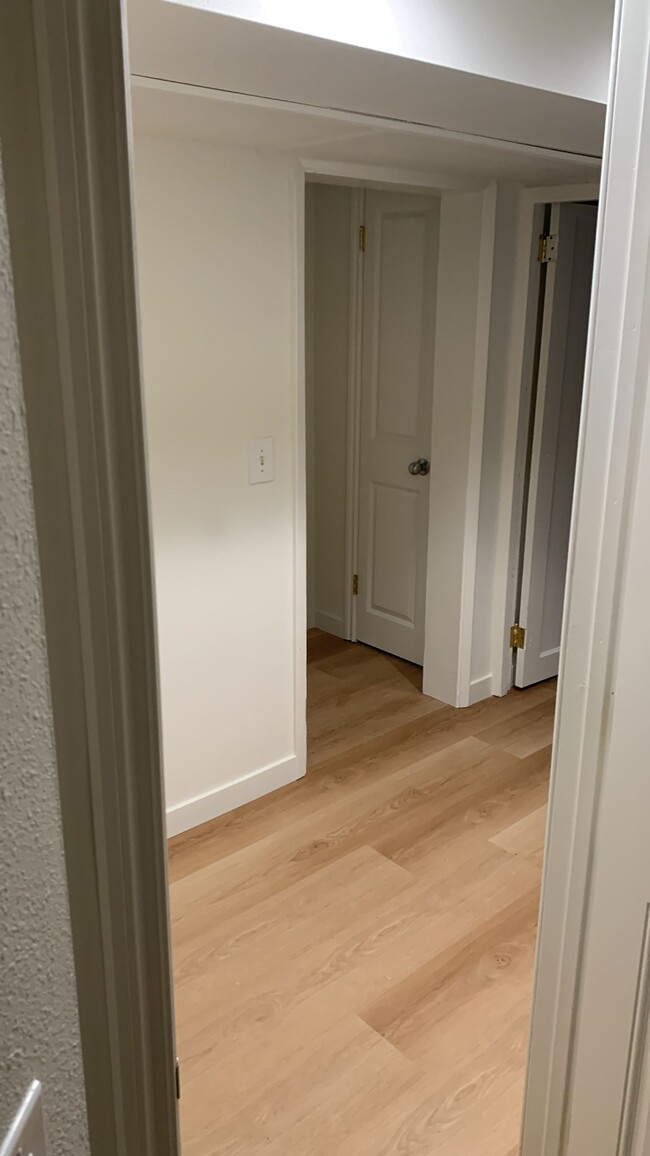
[
  {"x": 191, "y": 45},
  {"x": 500, "y": 38},
  {"x": 346, "y": 144}
]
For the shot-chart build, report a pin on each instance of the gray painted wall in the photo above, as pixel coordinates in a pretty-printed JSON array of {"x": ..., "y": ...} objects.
[{"x": 39, "y": 1030}]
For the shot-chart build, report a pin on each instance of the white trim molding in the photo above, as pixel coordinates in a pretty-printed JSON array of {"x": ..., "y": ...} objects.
[
  {"x": 331, "y": 624},
  {"x": 353, "y": 448},
  {"x": 64, "y": 127},
  {"x": 229, "y": 796},
  {"x": 517, "y": 408},
  {"x": 480, "y": 688},
  {"x": 464, "y": 302},
  {"x": 299, "y": 423},
  {"x": 607, "y": 464}
]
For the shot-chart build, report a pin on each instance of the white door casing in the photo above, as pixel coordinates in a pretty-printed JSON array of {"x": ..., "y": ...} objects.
[
  {"x": 64, "y": 125},
  {"x": 555, "y": 441},
  {"x": 587, "y": 1088},
  {"x": 609, "y": 1107},
  {"x": 399, "y": 305}
]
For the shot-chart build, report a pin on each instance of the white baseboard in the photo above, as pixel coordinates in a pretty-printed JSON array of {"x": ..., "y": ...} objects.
[
  {"x": 480, "y": 688},
  {"x": 201, "y": 808},
  {"x": 330, "y": 624}
]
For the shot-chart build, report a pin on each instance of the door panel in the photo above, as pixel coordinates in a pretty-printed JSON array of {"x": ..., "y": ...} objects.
[
  {"x": 400, "y": 269},
  {"x": 393, "y": 552},
  {"x": 555, "y": 441},
  {"x": 396, "y": 329}
]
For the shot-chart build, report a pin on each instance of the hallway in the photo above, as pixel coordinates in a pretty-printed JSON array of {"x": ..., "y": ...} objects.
[{"x": 353, "y": 954}]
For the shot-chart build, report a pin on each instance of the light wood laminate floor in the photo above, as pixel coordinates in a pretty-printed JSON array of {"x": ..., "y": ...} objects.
[{"x": 353, "y": 954}]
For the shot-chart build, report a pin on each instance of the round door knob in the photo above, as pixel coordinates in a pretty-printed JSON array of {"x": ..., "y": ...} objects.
[{"x": 421, "y": 466}]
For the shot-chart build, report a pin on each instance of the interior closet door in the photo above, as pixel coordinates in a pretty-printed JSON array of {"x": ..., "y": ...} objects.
[
  {"x": 399, "y": 302},
  {"x": 555, "y": 441}
]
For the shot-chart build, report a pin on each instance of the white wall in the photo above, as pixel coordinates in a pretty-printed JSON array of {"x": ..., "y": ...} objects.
[
  {"x": 483, "y": 680},
  {"x": 310, "y": 414},
  {"x": 550, "y": 49},
  {"x": 217, "y": 234},
  {"x": 220, "y": 256},
  {"x": 463, "y": 310},
  {"x": 39, "y": 1025},
  {"x": 327, "y": 342},
  {"x": 564, "y": 47}
]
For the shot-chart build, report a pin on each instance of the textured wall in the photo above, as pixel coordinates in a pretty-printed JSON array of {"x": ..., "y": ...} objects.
[{"x": 39, "y": 1031}]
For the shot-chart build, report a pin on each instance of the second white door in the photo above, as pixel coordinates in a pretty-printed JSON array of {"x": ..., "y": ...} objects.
[
  {"x": 555, "y": 441},
  {"x": 399, "y": 305}
]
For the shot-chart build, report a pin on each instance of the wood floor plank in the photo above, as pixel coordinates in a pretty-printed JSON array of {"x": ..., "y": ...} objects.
[
  {"x": 353, "y": 953},
  {"x": 498, "y": 951},
  {"x": 325, "y": 895},
  {"x": 440, "y": 729},
  {"x": 317, "y": 835},
  {"x": 338, "y": 974},
  {"x": 526, "y": 836},
  {"x": 437, "y": 1114},
  {"x": 371, "y": 713},
  {"x": 363, "y": 763},
  {"x": 524, "y": 733},
  {"x": 355, "y": 1082},
  {"x": 514, "y": 791},
  {"x": 344, "y": 1054},
  {"x": 253, "y": 980},
  {"x": 321, "y": 645},
  {"x": 372, "y": 694}
]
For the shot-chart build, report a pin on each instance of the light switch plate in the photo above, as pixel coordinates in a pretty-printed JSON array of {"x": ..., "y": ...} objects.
[
  {"x": 26, "y": 1137},
  {"x": 260, "y": 461}
]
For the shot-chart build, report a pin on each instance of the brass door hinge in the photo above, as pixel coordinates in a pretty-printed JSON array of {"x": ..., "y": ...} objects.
[
  {"x": 362, "y": 238},
  {"x": 355, "y": 583},
  {"x": 547, "y": 248},
  {"x": 517, "y": 637}
]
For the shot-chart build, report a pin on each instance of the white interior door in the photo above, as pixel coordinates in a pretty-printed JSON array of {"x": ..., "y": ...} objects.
[
  {"x": 555, "y": 441},
  {"x": 399, "y": 304}
]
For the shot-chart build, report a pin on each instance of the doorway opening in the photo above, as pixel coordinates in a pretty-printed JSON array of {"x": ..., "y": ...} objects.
[
  {"x": 371, "y": 268},
  {"x": 455, "y": 798},
  {"x": 365, "y": 937},
  {"x": 337, "y": 940},
  {"x": 565, "y": 257},
  {"x": 370, "y": 322}
]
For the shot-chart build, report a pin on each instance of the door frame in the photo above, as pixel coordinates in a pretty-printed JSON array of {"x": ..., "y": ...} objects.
[
  {"x": 525, "y": 614},
  {"x": 358, "y": 339},
  {"x": 446, "y": 669},
  {"x": 64, "y": 120},
  {"x": 354, "y": 386},
  {"x": 135, "y": 882},
  {"x": 353, "y": 447},
  {"x": 615, "y": 391},
  {"x": 510, "y": 523}
]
